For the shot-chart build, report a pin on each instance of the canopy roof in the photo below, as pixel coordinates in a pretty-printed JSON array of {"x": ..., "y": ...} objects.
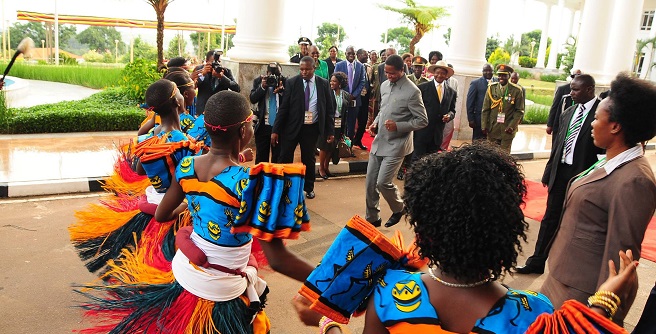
[{"x": 118, "y": 22}]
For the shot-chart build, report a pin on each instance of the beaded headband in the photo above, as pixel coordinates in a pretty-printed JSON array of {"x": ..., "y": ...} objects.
[{"x": 226, "y": 127}]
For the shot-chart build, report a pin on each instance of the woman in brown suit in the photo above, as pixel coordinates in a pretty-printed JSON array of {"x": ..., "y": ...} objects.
[{"x": 607, "y": 207}]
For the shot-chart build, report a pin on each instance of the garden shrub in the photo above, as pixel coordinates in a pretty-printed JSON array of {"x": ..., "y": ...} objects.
[
  {"x": 549, "y": 77},
  {"x": 499, "y": 56},
  {"x": 137, "y": 76},
  {"x": 524, "y": 74},
  {"x": 527, "y": 62},
  {"x": 109, "y": 110},
  {"x": 536, "y": 114}
]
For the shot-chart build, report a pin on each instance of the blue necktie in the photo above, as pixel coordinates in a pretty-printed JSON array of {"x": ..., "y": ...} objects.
[{"x": 272, "y": 106}]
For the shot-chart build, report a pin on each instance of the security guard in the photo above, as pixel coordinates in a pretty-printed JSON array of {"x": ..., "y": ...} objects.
[
  {"x": 418, "y": 65},
  {"x": 503, "y": 109},
  {"x": 304, "y": 43}
]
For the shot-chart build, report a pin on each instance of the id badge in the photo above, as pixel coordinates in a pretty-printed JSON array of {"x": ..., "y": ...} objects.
[
  {"x": 308, "y": 117},
  {"x": 501, "y": 118},
  {"x": 338, "y": 122}
]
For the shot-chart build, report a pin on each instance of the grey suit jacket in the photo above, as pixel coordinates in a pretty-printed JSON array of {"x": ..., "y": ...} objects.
[{"x": 400, "y": 102}]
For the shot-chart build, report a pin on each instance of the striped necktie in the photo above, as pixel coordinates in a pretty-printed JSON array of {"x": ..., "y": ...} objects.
[{"x": 573, "y": 131}]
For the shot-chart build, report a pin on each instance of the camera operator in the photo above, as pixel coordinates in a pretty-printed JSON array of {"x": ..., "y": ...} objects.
[
  {"x": 267, "y": 93},
  {"x": 213, "y": 79}
]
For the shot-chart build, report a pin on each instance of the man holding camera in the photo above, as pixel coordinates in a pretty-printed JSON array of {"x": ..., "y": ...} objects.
[
  {"x": 267, "y": 93},
  {"x": 213, "y": 79}
]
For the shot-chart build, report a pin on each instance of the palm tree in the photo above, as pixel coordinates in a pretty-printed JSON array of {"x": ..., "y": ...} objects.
[
  {"x": 160, "y": 8},
  {"x": 422, "y": 17}
]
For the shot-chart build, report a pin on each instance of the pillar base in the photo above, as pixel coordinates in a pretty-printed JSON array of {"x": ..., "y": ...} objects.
[{"x": 259, "y": 50}]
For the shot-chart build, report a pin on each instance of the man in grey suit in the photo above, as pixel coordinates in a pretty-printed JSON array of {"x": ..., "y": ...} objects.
[
  {"x": 475, "y": 98},
  {"x": 402, "y": 111}
]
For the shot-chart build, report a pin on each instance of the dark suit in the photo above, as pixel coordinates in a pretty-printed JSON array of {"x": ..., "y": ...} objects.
[
  {"x": 429, "y": 139},
  {"x": 331, "y": 66},
  {"x": 475, "y": 97},
  {"x": 358, "y": 83},
  {"x": 290, "y": 127},
  {"x": 558, "y": 106},
  {"x": 259, "y": 96},
  {"x": 209, "y": 85},
  {"x": 557, "y": 175}
]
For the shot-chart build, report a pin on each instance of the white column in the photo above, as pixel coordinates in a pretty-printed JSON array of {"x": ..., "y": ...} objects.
[
  {"x": 556, "y": 39},
  {"x": 469, "y": 36},
  {"x": 622, "y": 35},
  {"x": 593, "y": 38},
  {"x": 519, "y": 28},
  {"x": 544, "y": 37},
  {"x": 260, "y": 36},
  {"x": 56, "y": 34}
]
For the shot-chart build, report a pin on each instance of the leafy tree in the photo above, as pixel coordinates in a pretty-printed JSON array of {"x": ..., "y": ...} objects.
[
  {"x": 199, "y": 41},
  {"x": 101, "y": 38},
  {"x": 37, "y": 32},
  {"x": 327, "y": 37},
  {"x": 143, "y": 50},
  {"x": 160, "y": 8},
  {"x": 423, "y": 18},
  {"x": 92, "y": 57},
  {"x": 400, "y": 37},
  {"x": 177, "y": 47},
  {"x": 492, "y": 44},
  {"x": 567, "y": 60},
  {"x": 294, "y": 49}
]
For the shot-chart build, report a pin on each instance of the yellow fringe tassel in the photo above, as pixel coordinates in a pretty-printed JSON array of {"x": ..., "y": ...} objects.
[
  {"x": 98, "y": 220},
  {"x": 201, "y": 320},
  {"x": 134, "y": 270}
]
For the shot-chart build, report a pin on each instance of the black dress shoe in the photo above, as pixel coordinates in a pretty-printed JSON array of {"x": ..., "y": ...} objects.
[
  {"x": 377, "y": 223},
  {"x": 325, "y": 177},
  {"x": 310, "y": 194},
  {"x": 400, "y": 175},
  {"x": 529, "y": 269},
  {"x": 329, "y": 174},
  {"x": 394, "y": 219},
  {"x": 360, "y": 146}
]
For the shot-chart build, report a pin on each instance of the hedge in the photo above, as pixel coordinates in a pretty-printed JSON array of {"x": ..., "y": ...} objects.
[
  {"x": 109, "y": 110},
  {"x": 536, "y": 114}
]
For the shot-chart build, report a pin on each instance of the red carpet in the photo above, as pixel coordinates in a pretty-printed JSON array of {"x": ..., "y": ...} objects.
[
  {"x": 536, "y": 203},
  {"x": 367, "y": 140}
]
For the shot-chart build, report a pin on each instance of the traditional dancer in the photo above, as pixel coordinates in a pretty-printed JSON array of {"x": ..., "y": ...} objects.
[
  {"x": 213, "y": 285},
  {"x": 104, "y": 230}
]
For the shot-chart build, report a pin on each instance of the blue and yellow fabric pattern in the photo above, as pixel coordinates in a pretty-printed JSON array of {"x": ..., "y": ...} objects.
[
  {"x": 198, "y": 131},
  {"x": 265, "y": 201},
  {"x": 349, "y": 271},
  {"x": 403, "y": 305},
  {"x": 160, "y": 154},
  {"x": 187, "y": 122}
]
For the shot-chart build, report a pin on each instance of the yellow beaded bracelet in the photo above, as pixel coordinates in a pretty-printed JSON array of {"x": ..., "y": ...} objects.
[{"x": 609, "y": 294}]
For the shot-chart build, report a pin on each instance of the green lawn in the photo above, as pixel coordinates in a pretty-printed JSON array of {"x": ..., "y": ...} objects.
[{"x": 532, "y": 83}]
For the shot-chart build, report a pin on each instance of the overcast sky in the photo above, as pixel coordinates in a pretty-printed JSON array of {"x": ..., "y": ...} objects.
[{"x": 363, "y": 21}]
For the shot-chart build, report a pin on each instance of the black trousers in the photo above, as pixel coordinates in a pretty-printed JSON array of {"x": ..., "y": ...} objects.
[
  {"x": 363, "y": 114},
  {"x": 647, "y": 322},
  {"x": 307, "y": 138},
  {"x": 551, "y": 219},
  {"x": 477, "y": 131},
  {"x": 263, "y": 145}
]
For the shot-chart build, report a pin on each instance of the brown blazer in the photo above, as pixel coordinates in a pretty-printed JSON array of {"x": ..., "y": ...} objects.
[{"x": 602, "y": 215}]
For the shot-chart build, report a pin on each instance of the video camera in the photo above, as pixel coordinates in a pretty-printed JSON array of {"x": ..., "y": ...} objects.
[
  {"x": 216, "y": 62},
  {"x": 274, "y": 76}
]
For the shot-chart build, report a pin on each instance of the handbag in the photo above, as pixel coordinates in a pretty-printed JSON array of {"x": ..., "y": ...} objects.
[{"x": 345, "y": 147}]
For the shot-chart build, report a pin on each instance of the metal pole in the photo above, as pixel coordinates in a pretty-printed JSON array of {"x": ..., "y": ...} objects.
[
  {"x": 56, "y": 34},
  {"x": 208, "y": 41},
  {"x": 4, "y": 34},
  {"x": 223, "y": 44},
  {"x": 131, "y": 46}
]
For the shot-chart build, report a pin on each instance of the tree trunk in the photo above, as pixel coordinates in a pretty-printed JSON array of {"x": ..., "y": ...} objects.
[
  {"x": 419, "y": 33},
  {"x": 160, "y": 36}
]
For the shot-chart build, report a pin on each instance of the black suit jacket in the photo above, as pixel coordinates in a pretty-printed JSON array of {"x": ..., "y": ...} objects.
[
  {"x": 435, "y": 110},
  {"x": 291, "y": 114},
  {"x": 206, "y": 89},
  {"x": 331, "y": 66},
  {"x": 258, "y": 96},
  {"x": 585, "y": 152},
  {"x": 557, "y": 106}
]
